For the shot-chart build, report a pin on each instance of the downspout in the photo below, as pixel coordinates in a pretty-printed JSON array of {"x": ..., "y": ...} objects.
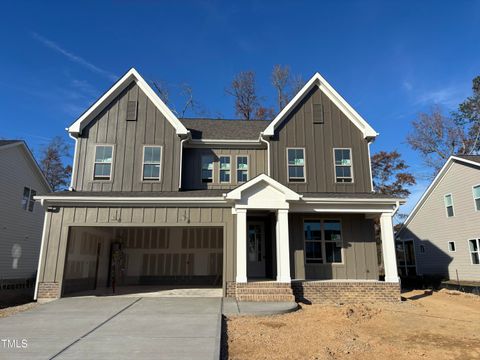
[
  {"x": 370, "y": 162},
  {"x": 70, "y": 188},
  {"x": 268, "y": 152},
  {"x": 188, "y": 137}
]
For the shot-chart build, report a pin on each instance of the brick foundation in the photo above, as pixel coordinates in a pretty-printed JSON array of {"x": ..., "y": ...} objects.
[
  {"x": 48, "y": 291},
  {"x": 260, "y": 291},
  {"x": 344, "y": 292}
]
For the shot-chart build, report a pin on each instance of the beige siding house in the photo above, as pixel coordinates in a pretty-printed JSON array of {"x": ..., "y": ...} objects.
[
  {"x": 261, "y": 210},
  {"x": 441, "y": 235},
  {"x": 21, "y": 218}
]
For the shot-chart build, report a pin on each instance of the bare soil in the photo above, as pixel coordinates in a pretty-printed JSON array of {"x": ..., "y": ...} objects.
[
  {"x": 11, "y": 310},
  {"x": 442, "y": 325}
]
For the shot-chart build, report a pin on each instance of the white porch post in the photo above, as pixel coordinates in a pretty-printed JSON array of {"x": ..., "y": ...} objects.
[
  {"x": 388, "y": 247},
  {"x": 283, "y": 247},
  {"x": 241, "y": 246}
]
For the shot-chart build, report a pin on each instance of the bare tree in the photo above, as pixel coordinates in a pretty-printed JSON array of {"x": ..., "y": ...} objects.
[
  {"x": 264, "y": 113},
  {"x": 280, "y": 81},
  {"x": 296, "y": 84},
  {"x": 52, "y": 165},
  {"x": 243, "y": 90},
  {"x": 162, "y": 90},
  {"x": 468, "y": 116}
]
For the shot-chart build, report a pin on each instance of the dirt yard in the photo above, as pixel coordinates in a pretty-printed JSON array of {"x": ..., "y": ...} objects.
[
  {"x": 445, "y": 325},
  {"x": 11, "y": 310}
]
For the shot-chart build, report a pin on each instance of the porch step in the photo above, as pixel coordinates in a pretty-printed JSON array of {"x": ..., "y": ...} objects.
[
  {"x": 266, "y": 298},
  {"x": 264, "y": 291},
  {"x": 263, "y": 284}
]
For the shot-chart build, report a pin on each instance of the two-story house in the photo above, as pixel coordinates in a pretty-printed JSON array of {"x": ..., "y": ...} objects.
[
  {"x": 260, "y": 209},
  {"x": 441, "y": 236}
]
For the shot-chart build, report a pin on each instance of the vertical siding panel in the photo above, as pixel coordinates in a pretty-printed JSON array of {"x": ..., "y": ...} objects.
[
  {"x": 52, "y": 249},
  {"x": 126, "y": 214},
  {"x": 172, "y": 215},
  {"x": 137, "y": 215},
  {"x": 121, "y": 140},
  {"x": 160, "y": 215},
  {"x": 139, "y": 141}
]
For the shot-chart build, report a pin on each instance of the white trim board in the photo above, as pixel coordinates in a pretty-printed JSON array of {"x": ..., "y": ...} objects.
[
  {"x": 334, "y": 96},
  {"x": 132, "y": 75}
]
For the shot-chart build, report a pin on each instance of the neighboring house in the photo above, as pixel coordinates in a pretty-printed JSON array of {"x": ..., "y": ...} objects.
[
  {"x": 441, "y": 236},
  {"x": 229, "y": 203},
  {"x": 21, "y": 218}
]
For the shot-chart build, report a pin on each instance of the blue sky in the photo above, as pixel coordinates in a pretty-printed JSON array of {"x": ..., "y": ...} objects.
[{"x": 390, "y": 60}]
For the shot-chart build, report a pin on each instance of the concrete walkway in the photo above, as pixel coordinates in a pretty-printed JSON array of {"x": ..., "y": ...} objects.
[
  {"x": 116, "y": 328},
  {"x": 232, "y": 307}
]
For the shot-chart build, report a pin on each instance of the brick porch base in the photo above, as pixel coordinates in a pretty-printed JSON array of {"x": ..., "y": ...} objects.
[{"x": 48, "y": 291}]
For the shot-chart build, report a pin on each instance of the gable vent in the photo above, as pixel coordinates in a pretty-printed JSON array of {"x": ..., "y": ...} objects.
[
  {"x": 132, "y": 111},
  {"x": 317, "y": 114}
]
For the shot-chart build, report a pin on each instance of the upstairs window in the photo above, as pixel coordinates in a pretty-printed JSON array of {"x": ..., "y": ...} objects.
[
  {"x": 474, "y": 247},
  {"x": 296, "y": 165},
  {"x": 224, "y": 169},
  {"x": 451, "y": 246},
  {"x": 28, "y": 202},
  {"x": 476, "y": 197},
  {"x": 448, "y": 200},
  {"x": 151, "y": 162},
  {"x": 207, "y": 168},
  {"x": 242, "y": 169},
  {"x": 103, "y": 162},
  {"x": 343, "y": 165}
]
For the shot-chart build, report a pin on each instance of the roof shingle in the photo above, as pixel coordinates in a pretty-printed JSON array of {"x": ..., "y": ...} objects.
[{"x": 222, "y": 129}]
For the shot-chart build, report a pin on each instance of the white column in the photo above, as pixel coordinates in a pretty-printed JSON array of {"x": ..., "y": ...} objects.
[
  {"x": 283, "y": 247},
  {"x": 241, "y": 245},
  {"x": 388, "y": 248}
]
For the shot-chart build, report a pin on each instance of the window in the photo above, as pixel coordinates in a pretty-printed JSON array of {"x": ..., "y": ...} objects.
[
  {"x": 449, "y": 204},
  {"x": 296, "y": 165},
  {"x": 476, "y": 197},
  {"x": 103, "y": 162},
  {"x": 207, "y": 168},
  {"x": 422, "y": 249},
  {"x": 323, "y": 237},
  {"x": 451, "y": 246},
  {"x": 343, "y": 165},
  {"x": 474, "y": 247},
  {"x": 242, "y": 168},
  {"x": 224, "y": 169},
  {"x": 28, "y": 201},
  {"x": 151, "y": 162}
]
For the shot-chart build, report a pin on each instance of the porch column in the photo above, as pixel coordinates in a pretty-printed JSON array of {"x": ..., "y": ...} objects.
[
  {"x": 388, "y": 248},
  {"x": 241, "y": 246},
  {"x": 283, "y": 247}
]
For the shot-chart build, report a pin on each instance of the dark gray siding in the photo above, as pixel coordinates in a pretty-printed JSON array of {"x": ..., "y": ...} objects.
[
  {"x": 128, "y": 138},
  {"x": 192, "y": 157},
  {"x": 299, "y": 130}
]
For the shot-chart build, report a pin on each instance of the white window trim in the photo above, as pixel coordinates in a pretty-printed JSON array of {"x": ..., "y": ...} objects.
[
  {"x": 304, "y": 165},
  {"x": 474, "y": 198},
  {"x": 201, "y": 168},
  {"x": 143, "y": 164},
  {"x": 30, "y": 199},
  {"x": 110, "y": 178},
  {"x": 220, "y": 169},
  {"x": 470, "y": 252},
  {"x": 454, "y": 245},
  {"x": 445, "y": 206},
  {"x": 335, "y": 167},
  {"x": 237, "y": 169},
  {"x": 323, "y": 242}
]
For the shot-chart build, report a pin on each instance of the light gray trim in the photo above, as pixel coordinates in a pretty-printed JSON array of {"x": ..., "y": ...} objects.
[
  {"x": 304, "y": 164},
  {"x": 143, "y": 164},
  {"x": 220, "y": 169},
  {"x": 110, "y": 178},
  {"x": 351, "y": 165}
]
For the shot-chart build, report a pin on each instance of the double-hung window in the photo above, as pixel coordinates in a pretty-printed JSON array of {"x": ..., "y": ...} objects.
[
  {"x": 343, "y": 165},
  {"x": 296, "y": 164},
  {"x": 323, "y": 241},
  {"x": 474, "y": 247},
  {"x": 103, "y": 162},
  {"x": 242, "y": 169},
  {"x": 476, "y": 197},
  {"x": 27, "y": 201},
  {"x": 207, "y": 168},
  {"x": 152, "y": 156},
  {"x": 451, "y": 246},
  {"x": 225, "y": 168},
  {"x": 448, "y": 200}
]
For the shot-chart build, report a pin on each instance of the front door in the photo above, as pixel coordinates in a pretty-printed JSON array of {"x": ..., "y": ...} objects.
[{"x": 256, "y": 250}]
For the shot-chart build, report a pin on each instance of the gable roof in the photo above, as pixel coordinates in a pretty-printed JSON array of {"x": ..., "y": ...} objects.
[
  {"x": 236, "y": 194},
  {"x": 461, "y": 159},
  {"x": 327, "y": 89},
  {"x": 6, "y": 144},
  {"x": 131, "y": 75},
  {"x": 222, "y": 129}
]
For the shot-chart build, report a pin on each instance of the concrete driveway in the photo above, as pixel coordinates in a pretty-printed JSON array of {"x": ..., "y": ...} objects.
[{"x": 115, "y": 328}]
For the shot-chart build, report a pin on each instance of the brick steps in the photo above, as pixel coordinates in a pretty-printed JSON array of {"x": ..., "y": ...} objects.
[
  {"x": 266, "y": 297},
  {"x": 264, "y": 291}
]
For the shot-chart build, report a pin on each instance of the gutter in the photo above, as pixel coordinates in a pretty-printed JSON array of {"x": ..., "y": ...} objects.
[
  {"x": 268, "y": 151},
  {"x": 72, "y": 176}
]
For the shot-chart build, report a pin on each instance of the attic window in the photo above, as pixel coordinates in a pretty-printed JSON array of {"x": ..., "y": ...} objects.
[
  {"x": 317, "y": 114},
  {"x": 132, "y": 111}
]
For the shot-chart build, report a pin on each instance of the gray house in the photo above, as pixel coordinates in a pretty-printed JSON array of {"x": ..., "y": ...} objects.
[
  {"x": 262, "y": 210},
  {"x": 21, "y": 219},
  {"x": 441, "y": 236}
]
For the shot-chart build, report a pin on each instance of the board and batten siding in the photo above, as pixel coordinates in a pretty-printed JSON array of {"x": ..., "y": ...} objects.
[
  {"x": 19, "y": 226},
  {"x": 319, "y": 140},
  {"x": 59, "y": 223},
  {"x": 359, "y": 252},
  {"x": 432, "y": 228},
  {"x": 192, "y": 163},
  {"x": 128, "y": 138}
]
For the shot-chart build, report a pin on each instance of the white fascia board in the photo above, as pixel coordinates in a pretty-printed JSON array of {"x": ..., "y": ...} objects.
[
  {"x": 353, "y": 201},
  {"x": 128, "y": 200},
  {"x": 131, "y": 75},
  {"x": 334, "y": 96}
]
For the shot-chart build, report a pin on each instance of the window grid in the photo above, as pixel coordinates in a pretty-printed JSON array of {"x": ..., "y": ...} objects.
[
  {"x": 102, "y": 168},
  {"x": 476, "y": 197},
  {"x": 323, "y": 241},
  {"x": 242, "y": 169},
  {"x": 474, "y": 248},
  {"x": 448, "y": 201},
  {"x": 152, "y": 156},
  {"x": 343, "y": 165},
  {"x": 28, "y": 202},
  {"x": 225, "y": 167},
  {"x": 207, "y": 168},
  {"x": 296, "y": 164}
]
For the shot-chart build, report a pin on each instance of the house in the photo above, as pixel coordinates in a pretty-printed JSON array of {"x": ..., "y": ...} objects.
[
  {"x": 263, "y": 210},
  {"x": 441, "y": 236},
  {"x": 21, "y": 219}
]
